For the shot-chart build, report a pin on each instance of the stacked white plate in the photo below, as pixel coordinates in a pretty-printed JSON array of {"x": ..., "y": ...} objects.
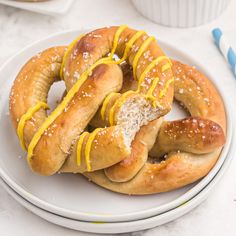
[
  {"x": 71, "y": 200},
  {"x": 50, "y": 7}
]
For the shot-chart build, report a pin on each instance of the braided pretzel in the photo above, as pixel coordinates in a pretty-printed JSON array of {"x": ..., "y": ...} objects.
[
  {"x": 90, "y": 74},
  {"x": 190, "y": 146}
]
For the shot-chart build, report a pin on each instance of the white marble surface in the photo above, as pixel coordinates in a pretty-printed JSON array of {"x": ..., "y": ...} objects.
[{"x": 216, "y": 216}]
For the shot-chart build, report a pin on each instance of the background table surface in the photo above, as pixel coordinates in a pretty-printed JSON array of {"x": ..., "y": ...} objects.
[{"x": 215, "y": 216}]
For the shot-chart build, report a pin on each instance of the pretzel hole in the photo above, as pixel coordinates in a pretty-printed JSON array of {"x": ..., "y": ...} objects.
[
  {"x": 55, "y": 95},
  {"x": 115, "y": 57},
  {"x": 90, "y": 128},
  {"x": 178, "y": 111},
  {"x": 157, "y": 159}
]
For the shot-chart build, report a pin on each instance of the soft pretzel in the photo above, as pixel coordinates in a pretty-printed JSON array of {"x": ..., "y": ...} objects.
[
  {"x": 34, "y": 87},
  {"x": 90, "y": 75},
  {"x": 190, "y": 146},
  {"x": 109, "y": 125}
]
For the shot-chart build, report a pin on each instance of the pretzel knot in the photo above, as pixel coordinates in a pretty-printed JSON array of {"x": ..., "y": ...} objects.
[{"x": 109, "y": 125}]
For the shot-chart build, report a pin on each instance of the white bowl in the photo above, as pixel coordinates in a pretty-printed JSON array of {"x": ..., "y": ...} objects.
[
  {"x": 72, "y": 195},
  {"x": 181, "y": 13}
]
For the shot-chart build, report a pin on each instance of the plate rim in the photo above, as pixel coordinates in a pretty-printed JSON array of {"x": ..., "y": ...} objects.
[
  {"x": 34, "y": 8},
  {"x": 130, "y": 215},
  {"x": 130, "y": 226}
]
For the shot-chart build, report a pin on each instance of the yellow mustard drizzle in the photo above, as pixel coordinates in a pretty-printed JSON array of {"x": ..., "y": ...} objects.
[
  {"x": 79, "y": 147},
  {"x": 27, "y": 116},
  {"x": 76, "y": 87},
  {"x": 116, "y": 39},
  {"x": 130, "y": 44},
  {"x": 88, "y": 147},
  {"x": 149, "y": 94},
  {"x": 163, "y": 92},
  {"x": 118, "y": 102},
  {"x": 67, "y": 52},
  {"x": 124, "y": 57},
  {"x": 149, "y": 67},
  {"x": 70, "y": 94},
  {"x": 150, "y": 91},
  {"x": 141, "y": 50},
  {"x": 165, "y": 67},
  {"x": 63, "y": 105},
  {"x": 105, "y": 103}
]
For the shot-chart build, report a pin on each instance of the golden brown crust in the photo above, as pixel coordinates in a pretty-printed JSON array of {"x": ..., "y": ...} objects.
[
  {"x": 177, "y": 171},
  {"x": 99, "y": 158},
  {"x": 181, "y": 166},
  {"x": 98, "y": 43},
  {"x": 191, "y": 146},
  {"x": 52, "y": 151},
  {"x": 32, "y": 85},
  {"x": 198, "y": 94},
  {"x": 192, "y": 134},
  {"x": 130, "y": 166},
  {"x": 54, "y": 146}
]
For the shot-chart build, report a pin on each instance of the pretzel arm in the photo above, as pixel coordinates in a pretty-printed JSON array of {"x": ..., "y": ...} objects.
[
  {"x": 183, "y": 164},
  {"x": 193, "y": 135},
  {"x": 129, "y": 167}
]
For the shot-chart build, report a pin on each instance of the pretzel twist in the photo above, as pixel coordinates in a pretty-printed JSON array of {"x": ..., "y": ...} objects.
[
  {"x": 172, "y": 154},
  {"x": 125, "y": 110},
  {"x": 90, "y": 74}
]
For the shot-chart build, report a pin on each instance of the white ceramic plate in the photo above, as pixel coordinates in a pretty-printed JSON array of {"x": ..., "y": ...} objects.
[
  {"x": 51, "y": 7},
  {"x": 123, "y": 227},
  {"x": 72, "y": 195}
]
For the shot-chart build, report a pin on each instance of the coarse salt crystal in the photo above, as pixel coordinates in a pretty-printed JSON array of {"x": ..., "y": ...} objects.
[{"x": 85, "y": 55}]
